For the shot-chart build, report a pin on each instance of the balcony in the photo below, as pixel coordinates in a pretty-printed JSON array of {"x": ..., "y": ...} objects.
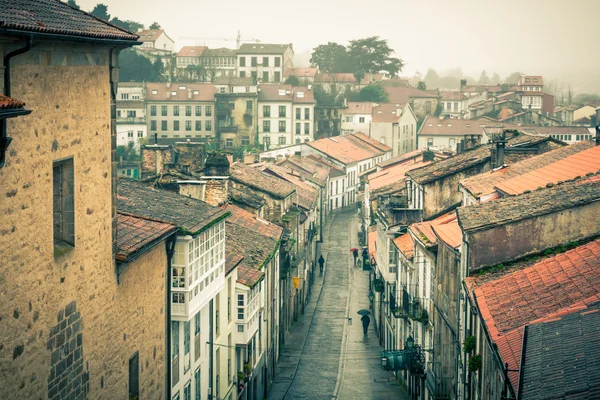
[
  {"x": 185, "y": 303},
  {"x": 228, "y": 129},
  {"x": 131, "y": 120},
  {"x": 409, "y": 308}
]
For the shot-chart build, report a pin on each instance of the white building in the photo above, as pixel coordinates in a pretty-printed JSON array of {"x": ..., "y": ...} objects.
[
  {"x": 285, "y": 115},
  {"x": 156, "y": 41},
  {"x": 395, "y": 125},
  {"x": 264, "y": 62},
  {"x": 438, "y": 133},
  {"x": 356, "y": 118},
  {"x": 131, "y": 114},
  {"x": 532, "y": 92},
  {"x": 189, "y": 55},
  {"x": 218, "y": 63}
]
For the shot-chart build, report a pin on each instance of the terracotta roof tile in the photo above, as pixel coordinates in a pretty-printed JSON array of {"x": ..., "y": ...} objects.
[
  {"x": 191, "y": 51},
  {"x": 301, "y": 72},
  {"x": 240, "y": 195},
  {"x": 7, "y": 102},
  {"x": 262, "y": 48},
  {"x": 358, "y": 107},
  {"x": 405, "y": 245},
  {"x": 307, "y": 194},
  {"x": 406, "y": 94},
  {"x": 55, "y": 17},
  {"x": 183, "y": 92},
  {"x": 387, "y": 112},
  {"x": 451, "y": 95},
  {"x": 434, "y": 126},
  {"x": 415, "y": 154},
  {"x": 576, "y": 165},
  {"x": 423, "y": 231},
  {"x": 532, "y": 293},
  {"x": 372, "y": 242},
  {"x": 347, "y": 149},
  {"x": 150, "y": 35},
  {"x": 394, "y": 174},
  {"x": 361, "y": 139},
  {"x": 449, "y": 233},
  {"x": 135, "y": 234},
  {"x": 510, "y": 209},
  {"x": 257, "y": 179},
  {"x": 188, "y": 214},
  {"x": 483, "y": 184},
  {"x": 308, "y": 168}
]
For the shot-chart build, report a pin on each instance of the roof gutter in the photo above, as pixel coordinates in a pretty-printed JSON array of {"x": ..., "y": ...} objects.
[
  {"x": 4, "y": 139},
  {"x": 69, "y": 38}
]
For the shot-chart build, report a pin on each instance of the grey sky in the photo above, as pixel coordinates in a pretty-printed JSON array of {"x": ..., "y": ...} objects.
[{"x": 550, "y": 37}]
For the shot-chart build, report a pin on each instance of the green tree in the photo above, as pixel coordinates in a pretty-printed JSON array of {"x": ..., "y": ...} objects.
[
  {"x": 373, "y": 55},
  {"x": 330, "y": 58},
  {"x": 137, "y": 68},
  {"x": 483, "y": 78},
  {"x": 374, "y": 93},
  {"x": 101, "y": 11},
  {"x": 73, "y": 4},
  {"x": 359, "y": 76},
  {"x": 496, "y": 78},
  {"x": 432, "y": 79},
  {"x": 134, "y": 26},
  {"x": 422, "y": 85},
  {"x": 155, "y": 25},
  {"x": 513, "y": 78},
  {"x": 292, "y": 80}
]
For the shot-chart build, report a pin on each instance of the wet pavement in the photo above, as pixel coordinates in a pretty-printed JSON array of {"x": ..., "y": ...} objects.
[{"x": 325, "y": 356}]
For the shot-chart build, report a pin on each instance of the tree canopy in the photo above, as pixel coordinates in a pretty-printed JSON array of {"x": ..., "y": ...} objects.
[
  {"x": 483, "y": 78},
  {"x": 374, "y": 93},
  {"x": 135, "y": 67},
  {"x": 292, "y": 80},
  {"x": 361, "y": 56},
  {"x": 513, "y": 78},
  {"x": 73, "y": 4},
  {"x": 101, "y": 11},
  {"x": 155, "y": 25},
  {"x": 421, "y": 85}
]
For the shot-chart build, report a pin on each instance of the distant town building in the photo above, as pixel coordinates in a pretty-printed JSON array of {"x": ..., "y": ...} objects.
[
  {"x": 264, "y": 62},
  {"x": 218, "y": 63},
  {"x": 189, "y": 55},
  {"x": 131, "y": 114}
]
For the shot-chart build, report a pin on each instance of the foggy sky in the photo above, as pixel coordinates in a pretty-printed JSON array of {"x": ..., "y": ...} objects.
[{"x": 548, "y": 37}]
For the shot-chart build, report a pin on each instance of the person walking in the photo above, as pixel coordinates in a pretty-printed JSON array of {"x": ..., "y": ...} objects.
[
  {"x": 321, "y": 262},
  {"x": 355, "y": 254},
  {"x": 365, "y": 323}
]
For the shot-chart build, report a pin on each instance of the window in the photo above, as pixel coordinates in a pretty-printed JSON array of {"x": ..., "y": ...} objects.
[
  {"x": 175, "y": 125},
  {"x": 208, "y": 111},
  {"x": 229, "y": 142},
  {"x": 265, "y": 61},
  {"x": 265, "y": 76},
  {"x": 222, "y": 90},
  {"x": 188, "y": 125},
  {"x": 242, "y": 62},
  {"x": 124, "y": 96},
  {"x": 452, "y": 142},
  {"x": 240, "y": 313},
  {"x": 307, "y": 113},
  {"x": 198, "y": 126},
  {"x": 267, "y": 141},
  {"x": 153, "y": 111},
  {"x": 455, "y": 107},
  {"x": 163, "y": 125},
  {"x": 298, "y": 128},
  {"x": 240, "y": 328},
  {"x": 197, "y": 335},
  {"x": 245, "y": 140},
  {"x": 298, "y": 141},
  {"x": 282, "y": 141},
  {"x": 282, "y": 112},
  {"x": 197, "y": 384},
  {"x": 134, "y": 376},
  {"x": 267, "y": 111},
  {"x": 153, "y": 125},
  {"x": 186, "y": 346},
  {"x": 176, "y": 111},
  {"x": 306, "y": 128},
  {"x": 175, "y": 351},
  {"x": 140, "y": 134},
  {"x": 361, "y": 120},
  {"x": 278, "y": 61},
  {"x": 282, "y": 126},
  {"x": 266, "y": 126},
  {"x": 298, "y": 113},
  {"x": 188, "y": 111},
  {"x": 63, "y": 202},
  {"x": 429, "y": 142},
  {"x": 277, "y": 76},
  {"x": 131, "y": 113},
  {"x": 119, "y": 113},
  {"x": 198, "y": 111},
  {"x": 163, "y": 111},
  {"x": 130, "y": 134},
  {"x": 208, "y": 126},
  {"x": 242, "y": 74},
  {"x": 253, "y": 74},
  {"x": 187, "y": 391},
  {"x": 249, "y": 105},
  {"x": 253, "y": 62}
]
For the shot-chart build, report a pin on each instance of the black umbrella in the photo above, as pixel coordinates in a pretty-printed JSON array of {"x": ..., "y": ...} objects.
[{"x": 364, "y": 312}]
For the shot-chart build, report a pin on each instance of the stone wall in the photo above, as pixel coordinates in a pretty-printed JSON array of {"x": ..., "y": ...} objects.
[
  {"x": 154, "y": 158},
  {"x": 217, "y": 191},
  {"x": 70, "y": 104}
]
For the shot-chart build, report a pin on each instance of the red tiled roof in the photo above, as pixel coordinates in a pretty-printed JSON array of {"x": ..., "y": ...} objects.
[
  {"x": 301, "y": 72},
  {"x": 303, "y": 95},
  {"x": 7, "y": 102},
  {"x": 256, "y": 179},
  {"x": 449, "y": 233},
  {"x": 423, "y": 230},
  {"x": 191, "y": 51},
  {"x": 250, "y": 221},
  {"x": 483, "y": 184},
  {"x": 530, "y": 80},
  {"x": 358, "y": 107},
  {"x": 307, "y": 194},
  {"x": 434, "y": 126},
  {"x": 275, "y": 92},
  {"x": 576, "y": 165},
  {"x": 451, "y": 95},
  {"x": 150, "y": 35},
  {"x": 405, "y": 245},
  {"x": 387, "y": 112},
  {"x": 555, "y": 286},
  {"x": 199, "y": 91},
  {"x": 393, "y": 174},
  {"x": 406, "y": 94},
  {"x": 359, "y": 137},
  {"x": 249, "y": 276},
  {"x": 345, "y": 149},
  {"x": 55, "y": 17},
  {"x": 232, "y": 259},
  {"x": 136, "y": 233}
]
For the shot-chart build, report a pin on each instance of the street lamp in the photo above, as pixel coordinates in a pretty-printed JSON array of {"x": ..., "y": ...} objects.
[
  {"x": 384, "y": 362},
  {"x": 410, "y": 343}
]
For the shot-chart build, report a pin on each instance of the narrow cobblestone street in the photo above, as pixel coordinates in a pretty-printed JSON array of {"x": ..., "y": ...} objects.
[{"x": 325, "y": 357}]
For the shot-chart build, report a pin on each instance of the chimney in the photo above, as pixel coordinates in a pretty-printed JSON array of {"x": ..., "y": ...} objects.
[
  {"x": 189, "y": 93},
  {"x": 499, "y": 146},
  {"x": 597, "y": 135},
  {"x": 216, "y": 174},
  {"x": 168, "y": 84},
  {"x": 460, "y": 147}
]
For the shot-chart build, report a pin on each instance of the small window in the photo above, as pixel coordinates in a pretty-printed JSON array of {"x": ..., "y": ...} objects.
[
  {"x": 198, "y": 126},
  {"x": 249, "y": 105},
  {"x": 188, "y": 125},
  {"x": 245, "y": 140},
  {"x": 306, "y": 128},
  {"x": 153, "y": 111},
  {"x": 265, "y": 76},
  {"x": 163, "y": 111},
  {"x": 63, "y": 203},
  {"x": 282, "y": 111},
  {"x": 175, "y": 125},
  {"x": 278, "y": 61},
  {"x": 298, "y": 128},
  {"x": 188, "y": 111},
  {"x": 429, "y": 141},
  {"x": 163, "y": 125},
  {"x": 155, "y": 92},
  {"x": 361, "y": 120},
  {"x": 208, "y": 111},
  {"x": 282, "y": 141},
  {"x": 140, "y": 134},
  {"x": 134, "y": 376},
  {"x": 240, "y": 328},
  {"x": 198, "y": 111},
  {"x": 229, "y": 142},
  {"x": 267, "y": 126},
  {"x": 266, "y": 111},
  {"x": 176, "y": 111},
  {"x": 282, "y": 126},
  {"x": 208, "y": 126}
]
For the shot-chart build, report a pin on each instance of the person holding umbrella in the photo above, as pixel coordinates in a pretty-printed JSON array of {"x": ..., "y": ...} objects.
[
  {"x": 354, "y": 252},
  {"x": 321, "y": 262},
  {"x": 365, "y": 320}
]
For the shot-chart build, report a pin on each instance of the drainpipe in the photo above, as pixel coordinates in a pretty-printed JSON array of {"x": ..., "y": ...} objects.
[
  {"x": 4, "y": 139},
  {"x": 170, "y": 251},
  {"x": 211, "y": 337}
]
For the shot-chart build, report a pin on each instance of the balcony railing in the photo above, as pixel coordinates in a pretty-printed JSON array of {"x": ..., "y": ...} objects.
[
  {"x": 409, "y": 308},
  {"x": 131, "y": 120},
  {"x": 228, "y": 129}
]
